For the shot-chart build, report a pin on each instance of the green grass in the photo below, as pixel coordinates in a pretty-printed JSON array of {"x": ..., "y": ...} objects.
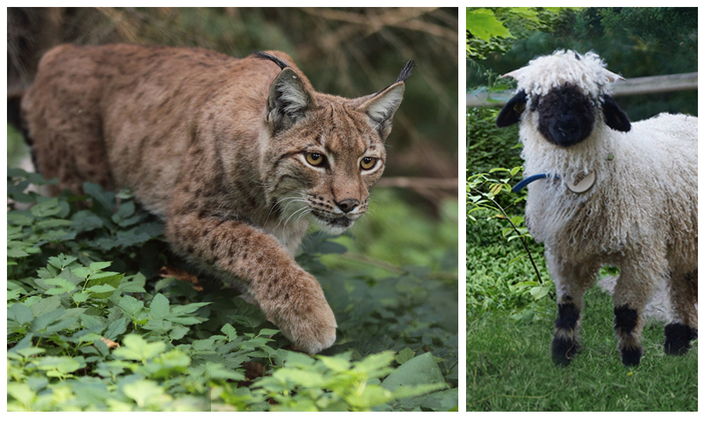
[{"x": 509, "y": 367}]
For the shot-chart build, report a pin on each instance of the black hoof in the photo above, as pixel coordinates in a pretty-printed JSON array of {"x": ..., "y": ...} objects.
[
  {"x": 563, "y": 350},
  {"x": 678, "y": 338},
  {"x": 631, "y": 356}
]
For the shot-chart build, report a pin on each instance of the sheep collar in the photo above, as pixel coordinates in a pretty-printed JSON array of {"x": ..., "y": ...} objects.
[{"x": 580, "y": 183}]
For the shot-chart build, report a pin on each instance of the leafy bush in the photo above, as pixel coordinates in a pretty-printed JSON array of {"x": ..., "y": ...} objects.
[
  {"x": 489, "y": 146},
  {"x": 505, "y": 267},
  {"x": 91, "y": 325}
]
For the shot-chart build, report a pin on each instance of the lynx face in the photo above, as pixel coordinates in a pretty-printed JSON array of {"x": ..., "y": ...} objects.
[{"x": 327, "y": 174}]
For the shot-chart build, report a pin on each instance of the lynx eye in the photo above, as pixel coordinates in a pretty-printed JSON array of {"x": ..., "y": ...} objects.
[
  {"x": 314, "y": 159},
  {"x": 368, "y": 163}
]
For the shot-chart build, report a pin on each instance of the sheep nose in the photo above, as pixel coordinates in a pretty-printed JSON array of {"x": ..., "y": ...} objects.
[
  {"x": 567, "y": 126},
  {"x": 347, "y": 205}
]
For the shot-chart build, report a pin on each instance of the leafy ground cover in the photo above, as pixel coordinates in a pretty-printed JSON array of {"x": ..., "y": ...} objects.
[{"x": 96, "y": 322}]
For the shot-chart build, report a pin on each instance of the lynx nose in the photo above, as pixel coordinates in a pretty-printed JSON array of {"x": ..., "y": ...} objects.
[{"x": 347, "y": 205}]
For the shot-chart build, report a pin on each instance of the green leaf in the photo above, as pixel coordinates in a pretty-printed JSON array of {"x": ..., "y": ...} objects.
[
  {"x": 16, "y": 253},
  {"x": 229, "y": 331},
  {"x": 377, "y": 365},
  {"x": 96, "y": 266},
  {"x": 80, "y": 297},
  {"x": 85, "y": 220},
  {"x": 104, "y": 199},
  {"x": 124, "y": 211},
  {"x": 101, "y": 290},
  {"x": 404, "y": 355},
  {"x": 27, "y": 352},
  {"x": 130, "y": 306},
  {"x": 302, "y": 378},
  {"x": 268, "y": 332},
  {"x": 218, "y": 371},
  {"x": 112, "y": 280},
  {"x": 539, "y": 292},
  {"x": 22, "y": 219},
  {"x": 160, "y": 325},
  {"x": 136, "y": 348},
  {"x": 45, "y": 305},
  {"x": 144, "y": 392},
  {"x": 99, "y": 275},
  {"x": 116, "y": 328},
  {"x": 65, "y": 285},
  {"x": 159, "y": 307},
  {"x": 484, "y": 25},
  {"x": 41, "y": 322},
  {"x": 372, "y": 395},
  {"x": 60, "y": 365},
  {"x": 337, "y": 363},
  {"x": 51, "y": 223},
  {"x": 22, "y": 393},
  {"x": 20, "y": 313},
  {"x": 46, "y": 208},
  {"x": 81, "y": 272},
  {"x": 189, "y": 308},
  {"x": 422, "y": 369},
  {"x": 178, "y": 332}
]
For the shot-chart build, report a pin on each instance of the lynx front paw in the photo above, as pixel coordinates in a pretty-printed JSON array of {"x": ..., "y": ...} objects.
[
  {"x": 312, "y": 332},
  {"x": 304, "y": 316}
]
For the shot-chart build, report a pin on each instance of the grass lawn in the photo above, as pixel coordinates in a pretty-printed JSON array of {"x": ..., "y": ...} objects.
[{"x": 509, "y": 367}]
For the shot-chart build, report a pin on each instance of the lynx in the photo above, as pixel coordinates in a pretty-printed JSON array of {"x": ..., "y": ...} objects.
[{"x": 236, "y": 156}]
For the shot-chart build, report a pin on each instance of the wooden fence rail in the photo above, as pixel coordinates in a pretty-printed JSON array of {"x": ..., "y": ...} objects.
[{"x": 635, "y": 86}]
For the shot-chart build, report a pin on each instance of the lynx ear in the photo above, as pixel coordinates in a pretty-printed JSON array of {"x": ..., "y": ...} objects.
[
  {"x": 289, "y": 101},
  {"x": 382, "y": 106}
]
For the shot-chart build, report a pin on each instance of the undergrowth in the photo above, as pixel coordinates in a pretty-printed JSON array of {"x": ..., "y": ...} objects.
[{"x": 96, "y": 322}]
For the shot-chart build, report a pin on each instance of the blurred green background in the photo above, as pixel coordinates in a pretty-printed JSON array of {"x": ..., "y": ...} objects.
[{"x": 347, "y": 52}]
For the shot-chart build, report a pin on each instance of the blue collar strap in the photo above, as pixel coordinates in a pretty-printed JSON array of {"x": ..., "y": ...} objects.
[{"x": 526, "y": 181}]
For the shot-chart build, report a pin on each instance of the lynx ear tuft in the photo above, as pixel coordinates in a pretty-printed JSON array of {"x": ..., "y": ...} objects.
[
  {"x": 289, "y": 101},
  {"x": 406, "y": 72},
  {"x": 381, "y": 106}
]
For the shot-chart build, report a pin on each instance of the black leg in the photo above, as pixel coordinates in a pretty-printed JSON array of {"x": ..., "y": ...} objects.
[
  {"x": 678, "y": 338},
  {"x": 626, "y": 320},
  {"x": 565, "y": 337}
]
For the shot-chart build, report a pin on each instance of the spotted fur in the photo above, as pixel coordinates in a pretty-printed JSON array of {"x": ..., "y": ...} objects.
[{"x": 221, "y": 149}]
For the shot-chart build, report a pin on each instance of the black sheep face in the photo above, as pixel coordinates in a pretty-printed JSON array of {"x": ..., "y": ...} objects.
[{"x": 565, "y": 115}]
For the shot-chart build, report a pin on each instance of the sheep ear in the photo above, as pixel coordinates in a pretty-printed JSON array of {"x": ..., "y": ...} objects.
[
  {"x": 615, "y": 118},
  {"x": 511, "y": 113},
  {"x": 289, "y": 101}
]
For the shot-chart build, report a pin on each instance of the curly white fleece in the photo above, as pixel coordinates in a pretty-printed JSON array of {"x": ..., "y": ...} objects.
[
  {"x": 641, "y": 213},
  {"x": 547, "y": 72}
]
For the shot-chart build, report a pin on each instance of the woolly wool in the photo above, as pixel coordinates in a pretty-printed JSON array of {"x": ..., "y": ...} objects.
[
  {"x": 547, "y": 72},
  {"x": 644, "y": 193},
  {"x": 640, "y": 214}
]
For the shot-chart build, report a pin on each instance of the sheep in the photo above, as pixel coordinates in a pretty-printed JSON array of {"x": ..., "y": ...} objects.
[{"x": 611, "y": 193}]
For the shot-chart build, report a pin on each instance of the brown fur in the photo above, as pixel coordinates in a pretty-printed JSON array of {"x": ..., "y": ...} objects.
[{"x": 218, "y": 148}]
